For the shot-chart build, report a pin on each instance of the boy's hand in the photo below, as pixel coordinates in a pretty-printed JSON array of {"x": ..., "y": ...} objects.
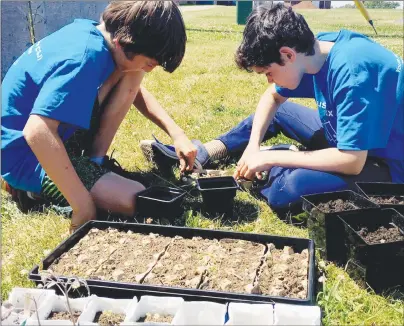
[
  {"x": 186, "y": 152},
  {"x": 249, "y": 151},
  {"x": 252, "y": 164},
  {"x": 83, "y": 213}
]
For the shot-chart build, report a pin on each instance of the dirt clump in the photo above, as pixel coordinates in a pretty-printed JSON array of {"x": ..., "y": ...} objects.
[
  {"x": 335, "y": 206},
  {"x": 184, "y": 262},
  {"x": 64, "y": 315},
  {"x": 394, "y": 200},
  {"x": 235, "y": 269},
  {"x": 284, "y": 273},
  {"x": 156, "y": 318},
  {"x": 381, "y": 235},
  {"x": 108, "y": 318}
]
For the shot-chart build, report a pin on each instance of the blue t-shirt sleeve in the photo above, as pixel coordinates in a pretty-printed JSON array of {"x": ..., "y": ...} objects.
[
  {"x": 361, "y": 124},
  {"x": 68, "y": 94},
  {"x": 304, "y": 90}
]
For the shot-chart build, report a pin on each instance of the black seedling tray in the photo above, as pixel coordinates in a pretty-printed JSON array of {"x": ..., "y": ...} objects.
[
  {"x": 218, "y": 194},
  {"x": 298, "y": 244},
  {"x": 326, "y": 228},
  {"x": 158, "y": 202},
  {"x": 363, "y": 251},
  {"x": 385, "y": 190}
]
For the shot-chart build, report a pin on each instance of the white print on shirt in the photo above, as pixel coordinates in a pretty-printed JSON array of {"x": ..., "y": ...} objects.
[
  {"x": 330, "y": 132},
  {"x": 322, "y": 105},
  {"x": 399, "y": 63},
  {"x": 38, "y": 51}
]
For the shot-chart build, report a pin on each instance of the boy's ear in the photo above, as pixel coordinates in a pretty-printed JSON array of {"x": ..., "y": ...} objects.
[{"x": 288, "y": 54}]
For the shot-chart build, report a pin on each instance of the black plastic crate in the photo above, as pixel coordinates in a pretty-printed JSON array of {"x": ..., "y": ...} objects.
[
  {"x": 385, "y": 190},
  {"x": 326, "y": 228},
  {"x": 359, "y": 248},
  {"x": 298, "y": 244},
  {"x": 218, "y": 194},
  {"x": 159, "y": 201}
]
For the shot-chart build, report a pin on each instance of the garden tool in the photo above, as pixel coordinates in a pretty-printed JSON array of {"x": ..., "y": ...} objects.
[{"x": 364, "y": 12}]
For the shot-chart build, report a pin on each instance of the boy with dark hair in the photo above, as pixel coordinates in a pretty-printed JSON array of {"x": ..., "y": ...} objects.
[
  {"x": 357, "y": 133},
  {"x": 65, "y": 97}
]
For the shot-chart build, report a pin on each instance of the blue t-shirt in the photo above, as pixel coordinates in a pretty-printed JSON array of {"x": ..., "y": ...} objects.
[
  {"x": 359, "y": 94},
  {"x": 58, "y": 77}
]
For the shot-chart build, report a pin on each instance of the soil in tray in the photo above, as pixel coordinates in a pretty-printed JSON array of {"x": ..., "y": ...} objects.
[
  {"x": 184, "y": 263},
  {"x": 64, "y": 315},
  {"x": 381, "y": 235},
  {"x": 235, "y": 269},
  {"x": 127, "y": 256},
  {"x": 108, "y": 318},
  {"x": 284, "y": 273},
  {"x": 156, "y": 318},
  {"x": 334, "y": 206},
  {"x": 387, "y": 200}
]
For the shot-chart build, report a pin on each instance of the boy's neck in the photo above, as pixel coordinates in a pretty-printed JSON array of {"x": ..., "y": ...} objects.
[
  {"x": 105, "y": 34},
  {"x": 315, "y": 62}
]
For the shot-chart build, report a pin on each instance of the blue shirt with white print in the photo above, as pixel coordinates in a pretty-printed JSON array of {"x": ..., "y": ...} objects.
[
  {"x": 58, "y": 78},
  {"x": 359, "y": 94}
]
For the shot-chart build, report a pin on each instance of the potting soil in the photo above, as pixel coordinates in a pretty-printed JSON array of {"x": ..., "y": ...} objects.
[
  {"x": 335, "y": 206},
  {"x": 108, "y": 318},
  {"x": 112, "y": 255},
  {"x": 381, "y": 235},
  {"x": 228, "y": 265},
  {"x": 156, "y": 318},
  {"x": 64, "y": 315},
  {"x": 395, "y": 200},
  {"x": 236, "y": 267},
  {"x": 284, "y": 273}
]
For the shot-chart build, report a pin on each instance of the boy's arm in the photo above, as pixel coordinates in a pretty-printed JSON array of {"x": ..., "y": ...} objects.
[
  {"x": 147, "y": 104},
  {"x": 327, "y": 160},
  {"x": 265, "y": 112},
  {"x": 42, "y": 136}
]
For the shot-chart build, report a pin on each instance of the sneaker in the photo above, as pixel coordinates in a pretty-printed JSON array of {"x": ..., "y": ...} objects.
[
  {"x": 25, "y": 200},
  {"x": 164, "y": 156}
]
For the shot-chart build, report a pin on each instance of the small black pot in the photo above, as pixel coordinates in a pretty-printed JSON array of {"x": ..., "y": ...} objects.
[
  {"x": 326, "y": 228},
  {"x": 218, "y": 194},
  {"x": 385, "y": 190},
  {"x": 367, "y": 253},
  {"x": 160, "y": 202}
]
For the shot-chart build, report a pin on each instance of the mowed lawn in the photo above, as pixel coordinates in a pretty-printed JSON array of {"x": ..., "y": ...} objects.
[{"x": 208, "y": 95}]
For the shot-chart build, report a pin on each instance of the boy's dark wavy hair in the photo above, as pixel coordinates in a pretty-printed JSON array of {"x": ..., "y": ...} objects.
[
  {"x": 268, "y": 29},
  {"x": 152, "y": 28}
]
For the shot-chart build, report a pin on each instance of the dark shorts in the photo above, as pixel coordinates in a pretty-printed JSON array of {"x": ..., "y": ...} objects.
[{"x": 78, "y": 148}]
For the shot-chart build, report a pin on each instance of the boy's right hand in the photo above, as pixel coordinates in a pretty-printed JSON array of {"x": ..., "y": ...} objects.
[
  {"x": 84, "y": 212},
  {"x": 249, "y": 151}
]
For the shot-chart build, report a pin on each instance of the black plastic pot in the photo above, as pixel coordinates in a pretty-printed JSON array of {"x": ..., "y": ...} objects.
[
  {"x": 160, "y": 202},
  {"x": 326, "y": 228},
  {"x": 359, "y": 248},
  {"x": 298, "y": 245},
  {"x": 384, "y": 190},
  {"x": 218, "y": 194},
  {"x": 381, "y": 276}
]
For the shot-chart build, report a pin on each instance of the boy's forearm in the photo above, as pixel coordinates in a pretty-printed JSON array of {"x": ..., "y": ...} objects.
[
  {"x": 264, "y": 114},
  {"x": 147, "y": 104},
  {"x": 327, "y": 160},
  {"x": 41, "y": 135}
]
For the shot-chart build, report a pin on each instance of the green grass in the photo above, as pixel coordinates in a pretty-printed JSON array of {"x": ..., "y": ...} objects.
[{"x": 208, "y": 95}]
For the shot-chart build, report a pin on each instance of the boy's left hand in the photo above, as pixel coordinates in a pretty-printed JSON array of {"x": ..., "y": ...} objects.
[
  {"x": 252, "y": 165},
  {"x": 186, "y": 152}
]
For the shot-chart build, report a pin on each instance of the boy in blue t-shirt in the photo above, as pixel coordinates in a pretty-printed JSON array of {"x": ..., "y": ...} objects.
[
  {"x": 357, "y": 131},
  {"x": 65, "y": 97}
]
